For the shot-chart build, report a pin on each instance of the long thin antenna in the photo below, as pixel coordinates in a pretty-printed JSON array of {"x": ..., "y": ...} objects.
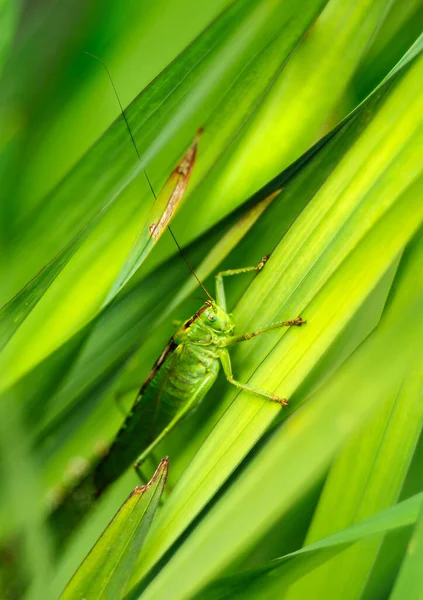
[
  {"x": 145, "y": 172},
  {"x": 118, "y": 99}
]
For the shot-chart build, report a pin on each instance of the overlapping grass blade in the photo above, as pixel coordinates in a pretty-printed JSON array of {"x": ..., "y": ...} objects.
[
  {"x": 409, "y": 582},
  {"x": 298, "y": 109},
  {"x": 368, "y": 474},
  {"x": 293, "y": 457},
  {"x": 259, "y": 583},
  {"x": 163, "y": 118},
  {"x": 322, "y": 262},
  {"x": 107, "y": 568}
]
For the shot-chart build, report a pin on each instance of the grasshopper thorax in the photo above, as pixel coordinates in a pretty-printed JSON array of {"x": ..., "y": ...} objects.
[{"x": 216, "y": 318}]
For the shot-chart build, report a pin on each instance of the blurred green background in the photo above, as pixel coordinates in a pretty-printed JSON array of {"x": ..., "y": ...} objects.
[{"x": 324, "y": 101}]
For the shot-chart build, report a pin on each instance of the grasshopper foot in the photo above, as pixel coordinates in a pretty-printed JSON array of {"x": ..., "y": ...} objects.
[
  {"x": 297, "y": 322},
  {"x": 263, "y": 262},
  {"x": 281, "y": 401}
]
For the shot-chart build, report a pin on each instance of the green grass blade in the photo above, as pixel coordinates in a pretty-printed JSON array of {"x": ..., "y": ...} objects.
[
  {"x": 409, "y": 582},
  {"x": 293, "y": 458},
  {"x": 309, "y": 93},
  {"x": 107, "y": 568},
  {"x": 367, "y": 476},
  {"x": 260, "y": 582},
  {"x": 322, "y": 262}
]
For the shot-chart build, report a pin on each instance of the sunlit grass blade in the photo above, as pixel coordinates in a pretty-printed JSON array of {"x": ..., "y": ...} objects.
[
  {"x": 107, "y": 568},
  {"x": 409, "y": 582},
  {"x": 259, "y": 583},
  {"x": 293, "y": 458},
  {"x": 324, "y": 264},
  {"x": 367, "y": 476},
  {"x": 376, "y": 462},
  {"x": 309, "y": 92}
]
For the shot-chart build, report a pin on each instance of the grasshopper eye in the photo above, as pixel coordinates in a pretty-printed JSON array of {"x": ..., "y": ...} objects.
[{"x": 211, "y": 317}]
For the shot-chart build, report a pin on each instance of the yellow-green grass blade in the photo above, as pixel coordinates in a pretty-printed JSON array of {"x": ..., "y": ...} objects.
[
  {"x": 107, "y": 568},
  {"x": 389, "y": 440},
  {"x": 260, "y": 582},
  {"x": 293, "y": 458},
  {"x": 238, "y": 40},
  {"x": 367, "y": 476},
  {"x": 165, "y": 206},
  {"x": 400, "y": 29},
  {"x": 409, "y": 581},
  {"x": 323, "y": 269},
  {"x": 298, "y": 109}
]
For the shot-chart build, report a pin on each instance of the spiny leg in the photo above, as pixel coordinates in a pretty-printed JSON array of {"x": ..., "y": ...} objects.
[
  {"x": 220, "y": 289},
  {"x": 243, "y": 337},
  {"x": 227, "y": 368}
]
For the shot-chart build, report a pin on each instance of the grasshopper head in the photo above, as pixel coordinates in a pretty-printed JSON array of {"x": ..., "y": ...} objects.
[{"x": 217, "y": 319}]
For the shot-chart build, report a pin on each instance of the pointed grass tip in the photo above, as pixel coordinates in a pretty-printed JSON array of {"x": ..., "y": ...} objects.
[{"x": 162, "y": 470}]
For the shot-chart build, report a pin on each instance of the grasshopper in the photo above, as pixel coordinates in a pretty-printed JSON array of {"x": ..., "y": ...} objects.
[
  {"x": 181, "y": 377},
  {"x": 187, "y": 369}
]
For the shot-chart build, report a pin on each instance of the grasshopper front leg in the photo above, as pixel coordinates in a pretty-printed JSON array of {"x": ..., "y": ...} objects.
[
  {"x": 227, "y": 368},
  {"x": 220, "y": 289},
  {"x": 243, "y": 337}
]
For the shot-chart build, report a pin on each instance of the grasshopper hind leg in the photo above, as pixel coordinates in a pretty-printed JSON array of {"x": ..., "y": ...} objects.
[{"x": 227, "y": 368}]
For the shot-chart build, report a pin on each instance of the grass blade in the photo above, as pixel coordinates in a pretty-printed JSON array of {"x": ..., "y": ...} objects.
[
  {"x": 367, "y": 476},
  {"x": 292, "y": 459},
  {"x": 329, "y": 278},
  {"x": 260, "y": 582},
  {"x": 107, "y": 568},
  {"x": 409, "y": 582}
]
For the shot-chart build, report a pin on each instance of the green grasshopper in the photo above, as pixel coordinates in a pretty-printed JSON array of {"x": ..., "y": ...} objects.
[{"x": 185, "y": 371}]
